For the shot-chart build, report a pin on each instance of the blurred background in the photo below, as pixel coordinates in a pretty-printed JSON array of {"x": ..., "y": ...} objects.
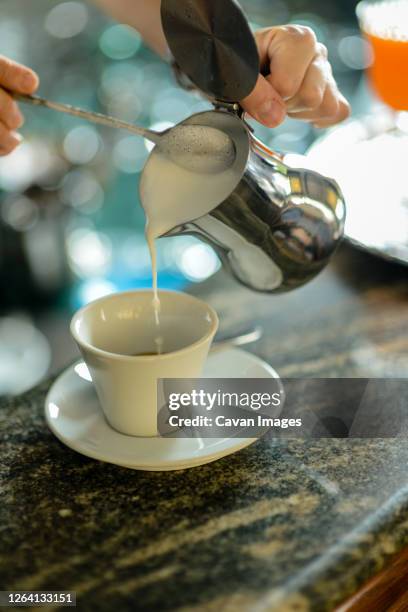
[{"x": 71, "y": 224}]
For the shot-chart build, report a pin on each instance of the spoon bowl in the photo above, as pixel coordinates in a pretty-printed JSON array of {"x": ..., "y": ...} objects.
[{"x": 198, "y": 148}]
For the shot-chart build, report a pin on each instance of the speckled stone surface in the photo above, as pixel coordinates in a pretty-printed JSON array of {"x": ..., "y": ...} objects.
[{"x": 281, "y": 526}]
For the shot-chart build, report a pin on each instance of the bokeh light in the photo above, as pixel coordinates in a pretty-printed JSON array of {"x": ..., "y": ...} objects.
[
  {"x": 82, "y": 144},
  {"x": 81, "y": 189},
  {"x": 89, "y": 253},
  {"x": 355, "y": 52},
  {"x": 198, "y": 262},
  {"x": 20, "y": 213},
  {"x": 94, "y": 289},
  {"x": 120, "y": 42},
  {"x": 12, "y": 38},
  {"x": 25, "y": 165},
  {"x": 66, "y": 20},
  {"x": 172, "y": 105},
  {"x": 135, "y": 257},
  {"x": 129, "y": 154},
  {"x": 24, "y": 355}
]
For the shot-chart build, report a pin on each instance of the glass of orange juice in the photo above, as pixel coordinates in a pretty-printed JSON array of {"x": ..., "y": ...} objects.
[{"x": 384, "y": 23}]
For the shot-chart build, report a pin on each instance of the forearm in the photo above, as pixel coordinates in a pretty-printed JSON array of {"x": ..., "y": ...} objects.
[{"x": 143, "y": 15}]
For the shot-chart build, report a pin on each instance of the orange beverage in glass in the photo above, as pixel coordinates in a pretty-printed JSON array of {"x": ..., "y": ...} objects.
[{"x": 385, "y": 25}]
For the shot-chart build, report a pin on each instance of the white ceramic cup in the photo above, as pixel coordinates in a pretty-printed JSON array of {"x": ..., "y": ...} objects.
[{"x": 112, "y": 330}]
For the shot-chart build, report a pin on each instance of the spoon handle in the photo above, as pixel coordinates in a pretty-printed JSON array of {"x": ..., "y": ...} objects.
[
  {"x": 89, "y": 115},
  {"x": 241, "y": 339}
]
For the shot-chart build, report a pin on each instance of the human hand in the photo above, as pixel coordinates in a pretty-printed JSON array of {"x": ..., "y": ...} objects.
[
  {"x": 299, "y": 81},
  {"x": 14, "y": 78}
]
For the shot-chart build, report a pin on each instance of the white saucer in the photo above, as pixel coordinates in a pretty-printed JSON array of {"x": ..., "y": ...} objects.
[{"x": 73, "y": 414}]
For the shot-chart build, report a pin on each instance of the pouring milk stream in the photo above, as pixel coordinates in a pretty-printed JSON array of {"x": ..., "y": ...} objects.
[{"x": 173, "y": 195}]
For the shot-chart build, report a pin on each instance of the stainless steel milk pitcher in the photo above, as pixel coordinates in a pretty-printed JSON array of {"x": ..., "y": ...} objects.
[{"x": 279, "y": 226}]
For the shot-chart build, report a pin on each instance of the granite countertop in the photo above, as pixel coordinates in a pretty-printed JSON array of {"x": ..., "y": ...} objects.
[{"x": 282, "y": 525}]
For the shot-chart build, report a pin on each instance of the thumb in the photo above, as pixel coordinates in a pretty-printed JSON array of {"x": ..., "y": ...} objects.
[{"x": 265, "y": 104}]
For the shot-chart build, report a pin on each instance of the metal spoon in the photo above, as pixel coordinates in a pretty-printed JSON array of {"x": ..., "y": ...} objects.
[
  {"x": 241, "y": 338},
  {"x": 194, "y": 147}
]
